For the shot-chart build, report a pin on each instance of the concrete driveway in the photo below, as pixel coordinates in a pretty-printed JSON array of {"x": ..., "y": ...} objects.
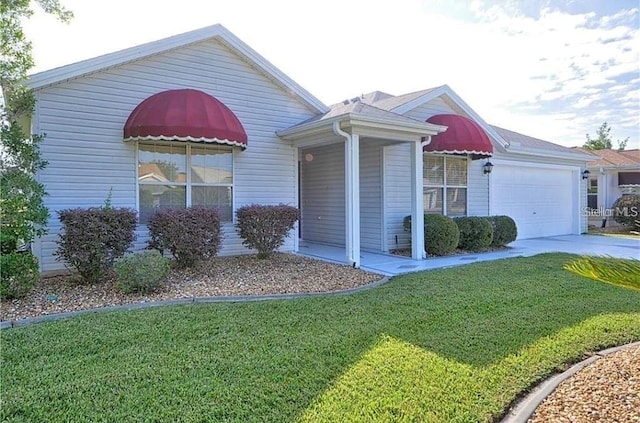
[{"x": 596, "y": 245}]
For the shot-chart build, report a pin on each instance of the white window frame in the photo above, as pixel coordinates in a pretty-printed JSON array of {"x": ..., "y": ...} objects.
[
  {"x": 445, "y": 186},
  {"x": 188, "y": 184},
  {"x": 597, "y": 187}
]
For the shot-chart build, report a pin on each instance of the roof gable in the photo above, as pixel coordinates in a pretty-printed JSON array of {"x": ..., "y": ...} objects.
[
  {"x": 407, "y": 102},
  {"x": 509, "y": 140},
  {"x": 218, "y": 32},
  {"x": 389, "y": 102}
]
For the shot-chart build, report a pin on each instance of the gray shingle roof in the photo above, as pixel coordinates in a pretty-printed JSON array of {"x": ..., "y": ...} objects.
[
  {"x": 361, "y": 108},
  {"x": 389, "y": 103},
  {"x": 526, "y": 141}
]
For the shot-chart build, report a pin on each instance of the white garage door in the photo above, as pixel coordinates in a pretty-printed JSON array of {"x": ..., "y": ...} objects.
[{"x": 542, "y": 201}]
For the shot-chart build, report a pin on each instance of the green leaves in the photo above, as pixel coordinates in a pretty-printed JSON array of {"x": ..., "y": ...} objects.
[
  {"x": 23, "y": 215},
  {"x": 22, "y": 211},
  {"x": 603, "y": 140},
  {"x": 447, "y": 345},
  {"x": 620, "y": 272}
]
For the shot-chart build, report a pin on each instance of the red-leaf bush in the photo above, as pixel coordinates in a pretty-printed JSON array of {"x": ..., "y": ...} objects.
[
  {"x": 190, "y": 234},
  {"x": 92, "y": 239},
  {"x": 264, "y": 228}
]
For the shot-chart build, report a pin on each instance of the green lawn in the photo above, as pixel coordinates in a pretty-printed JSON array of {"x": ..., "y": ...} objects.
[{"x": 449, "y": 345}]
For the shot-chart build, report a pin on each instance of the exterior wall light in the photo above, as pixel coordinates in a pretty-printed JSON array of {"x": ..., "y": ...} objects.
[
  {"x": 487, "y": 167},
  {"x": 585, "y": 174}
]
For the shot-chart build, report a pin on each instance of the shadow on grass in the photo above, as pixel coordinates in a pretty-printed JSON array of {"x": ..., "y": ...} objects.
[
  {"x": 398, "y": 381},
  {"x": 268, "y": 361}
]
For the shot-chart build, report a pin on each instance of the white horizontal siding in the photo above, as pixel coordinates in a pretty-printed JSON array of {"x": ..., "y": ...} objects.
[
  {"x": 323, "y": 194},
  {"x": 478, "y": 183},
  {"x": 477, "y": 189},
  {"x": 370, "y": 196},
  {"x": 84, "y": 119},
  {"x": 436, "y": 106},
  {"x": 397, "y": 193}
]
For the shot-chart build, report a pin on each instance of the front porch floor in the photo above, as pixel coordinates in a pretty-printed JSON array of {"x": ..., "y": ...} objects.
[{"x": 391, "y": 265}]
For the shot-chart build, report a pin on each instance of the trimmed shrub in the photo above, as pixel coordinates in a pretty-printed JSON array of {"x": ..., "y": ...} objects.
[
  {"x": 190, "y": 234},
  {"x": 264, "y": 228},
  {"x": 19, "y": 273},
  {"x": 141, "y": 272},
  {"x": 476, "y": 233},
  {"x": 441, "y": 234},
  {"x": 626, "y": 211},
  {"x": 92, "y": 239},
  {"x": 504, "y": 230}
]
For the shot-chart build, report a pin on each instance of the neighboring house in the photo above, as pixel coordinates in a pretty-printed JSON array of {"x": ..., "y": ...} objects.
[
  {"x": 614, "y": 174},
  {"x": 202, "y": 119}
]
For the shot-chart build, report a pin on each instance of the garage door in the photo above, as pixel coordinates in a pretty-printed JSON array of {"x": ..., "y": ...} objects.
[{"x": 542, "y": 201}]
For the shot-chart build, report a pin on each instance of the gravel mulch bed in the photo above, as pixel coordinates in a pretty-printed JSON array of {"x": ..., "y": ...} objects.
[
  {"x": 608, "y": 390},
  {"x": 220, "y": 276}
]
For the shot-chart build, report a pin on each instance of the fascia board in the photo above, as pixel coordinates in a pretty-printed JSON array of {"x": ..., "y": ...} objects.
[
  {"x": 404, "y": 108},
  {"x": 617, "y": 167},
  {"x": 353, "y": 120},
  {"x": 96, "y": 64},
  {"x": 581, "y": 158},
  {"x": 418, "y": 128},
  {"x": 446, "y": 90},
  {"x": 130, "y": 54},
  {"x": 268, "y": 68},
  {"x": 476, "y": 117}
]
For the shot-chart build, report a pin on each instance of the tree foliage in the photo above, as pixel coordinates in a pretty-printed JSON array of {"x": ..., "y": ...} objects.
[
  {"x": 23, "y": 215},
  {"x": 603, "y": 139},
  {"x": 22, "y": 211}
]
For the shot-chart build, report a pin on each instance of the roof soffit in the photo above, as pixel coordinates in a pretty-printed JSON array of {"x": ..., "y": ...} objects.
[{"x": 375, "y": 127}]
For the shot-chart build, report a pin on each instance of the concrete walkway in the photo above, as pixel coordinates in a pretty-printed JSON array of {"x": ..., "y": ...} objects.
[{"x": 391, "y": 265}]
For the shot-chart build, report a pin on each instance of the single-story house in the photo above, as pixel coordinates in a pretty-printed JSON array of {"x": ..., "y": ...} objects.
[
  {"x": 202, "y": 119},
  {"x": 613, "y": 174}
]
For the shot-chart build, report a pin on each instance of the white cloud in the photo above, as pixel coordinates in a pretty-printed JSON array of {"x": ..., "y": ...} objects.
[{"x": 554, "y": 76}]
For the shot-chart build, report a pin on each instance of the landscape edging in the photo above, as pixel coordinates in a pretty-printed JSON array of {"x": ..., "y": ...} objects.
[
  {"x": 7, "y": 324},
  {"x": 522, "y": 411}
]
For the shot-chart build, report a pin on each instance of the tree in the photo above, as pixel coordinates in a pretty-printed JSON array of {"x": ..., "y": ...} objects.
[
  {"x": 23, "y": 215},
  {"x": 603, "y": 140}
]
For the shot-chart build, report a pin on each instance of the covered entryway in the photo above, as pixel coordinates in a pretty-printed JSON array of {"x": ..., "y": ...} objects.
[
  {"x": 341, "y": 175},
  {"x": 542, "y": 200}
]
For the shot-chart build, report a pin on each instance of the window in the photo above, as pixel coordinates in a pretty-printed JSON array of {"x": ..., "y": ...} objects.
[
  {"x": 592, "y": 193},
  {"x": 445, "y": 185},
  {"x": 182, "y": 175}
]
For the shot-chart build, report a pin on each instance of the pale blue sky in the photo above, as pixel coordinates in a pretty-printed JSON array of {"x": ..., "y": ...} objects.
[{"x": 550, "y": 69}]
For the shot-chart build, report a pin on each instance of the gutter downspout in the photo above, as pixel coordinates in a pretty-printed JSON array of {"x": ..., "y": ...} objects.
[{"x": 352, "y": 195}]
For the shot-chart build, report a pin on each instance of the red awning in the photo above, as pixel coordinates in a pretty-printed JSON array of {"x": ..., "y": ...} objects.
[
  {"x": 462, "y": 137},
  {"x": 185, "y": 115}
]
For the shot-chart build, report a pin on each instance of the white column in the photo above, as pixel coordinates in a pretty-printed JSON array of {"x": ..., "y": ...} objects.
[
  {"x": 352, "y": 199},
  {"x": 298, "y": 202},
  {"x": 417, "y": 200}
]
